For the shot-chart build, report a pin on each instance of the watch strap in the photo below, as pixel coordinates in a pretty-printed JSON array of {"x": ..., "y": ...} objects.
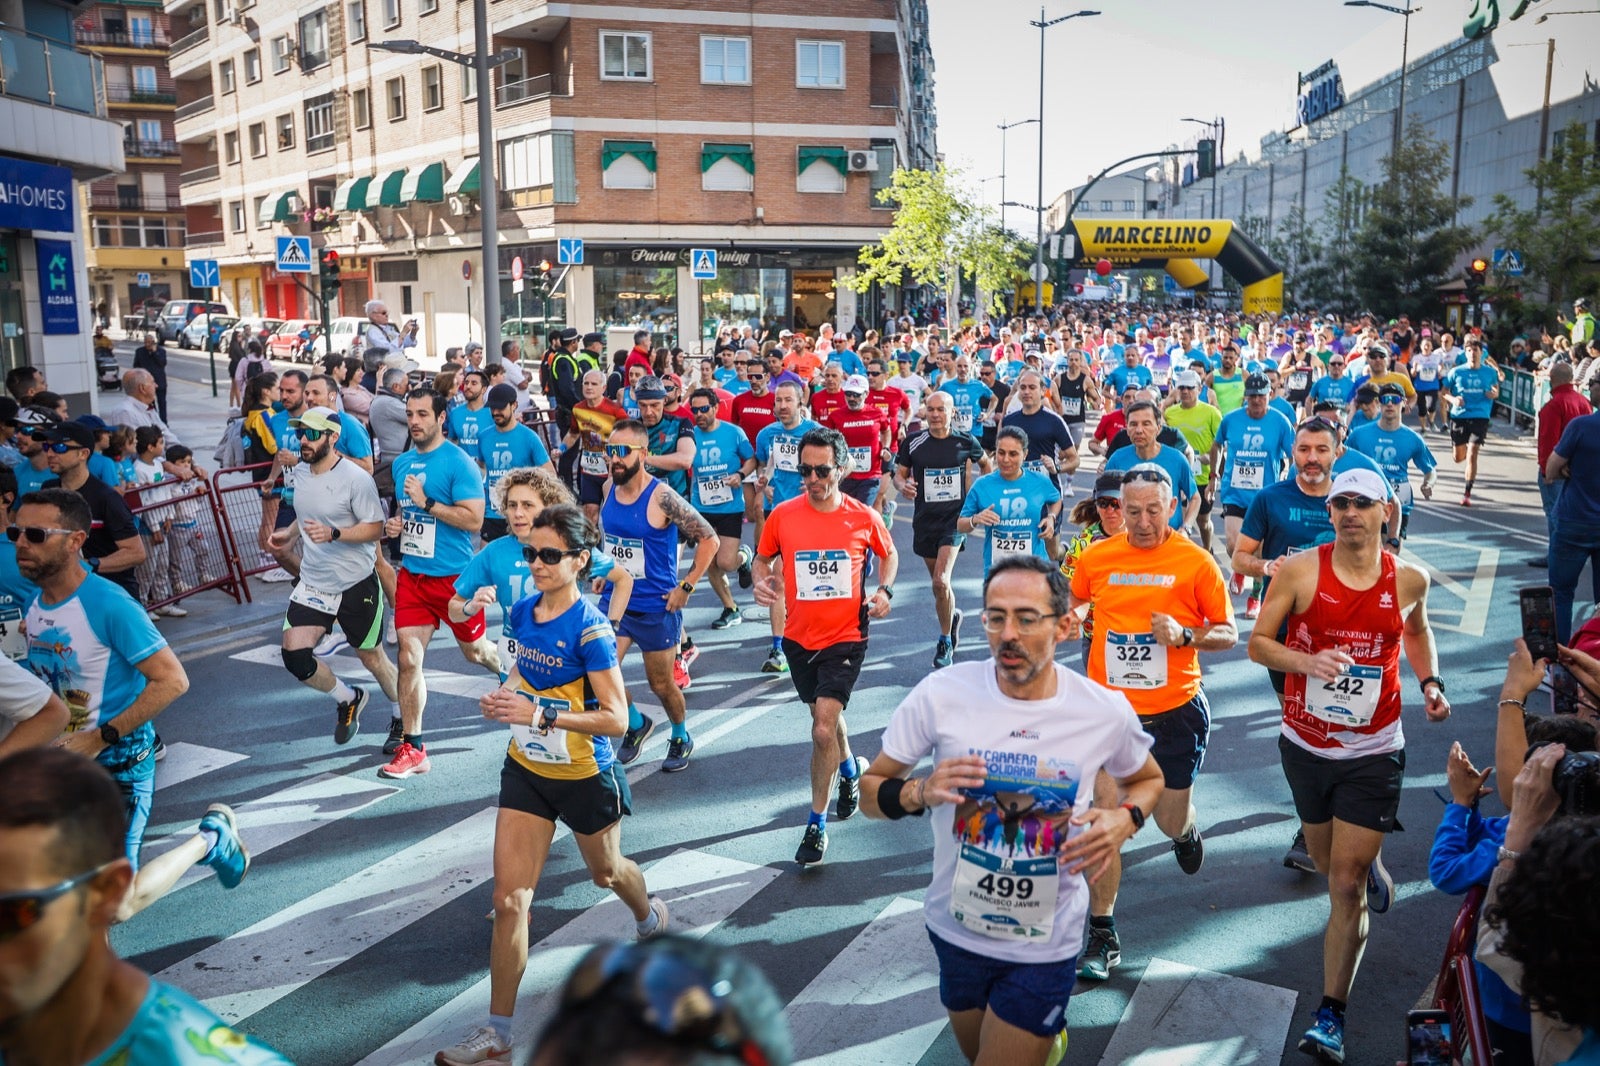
[
  {"x": 1432, "y": 679},
  {"x": 1136, "y": 814}
]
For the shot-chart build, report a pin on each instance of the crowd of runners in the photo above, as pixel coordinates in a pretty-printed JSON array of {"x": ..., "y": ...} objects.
[{"x": 1086, "y": 454}]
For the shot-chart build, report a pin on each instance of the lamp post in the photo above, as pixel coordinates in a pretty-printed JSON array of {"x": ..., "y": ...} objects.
[
  {"x": 1038, "y": 244},
  {"x": 1405, "y": 47},
  {"x": 481, "y": 63},
  {"x": 1214, "y": 127},
  {"x": 1002, "y": 127}
]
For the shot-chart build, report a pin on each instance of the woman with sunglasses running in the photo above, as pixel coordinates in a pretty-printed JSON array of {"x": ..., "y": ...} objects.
[{"x": 564, "y": 701}]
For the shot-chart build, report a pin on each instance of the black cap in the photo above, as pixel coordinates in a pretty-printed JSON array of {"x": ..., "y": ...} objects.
[
  {"x": 502, "y": 396},
  {"x": 1109, "y": 483},
  {"x": 76, "y": 432},
  {"x": 567, "y": 336},
  {"x": 593, "y": 338},
  {"x": 1257, "y": 385}
]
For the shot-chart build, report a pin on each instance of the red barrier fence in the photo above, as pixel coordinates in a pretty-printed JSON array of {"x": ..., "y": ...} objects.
[
  {"x": 188, "y": 546},
  {"x": 247, "y": 515}
]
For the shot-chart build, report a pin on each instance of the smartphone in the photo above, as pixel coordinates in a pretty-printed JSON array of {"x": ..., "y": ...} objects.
[
  {"x": 1539, "y": 621},
  {"x": 1428, "y": 1038}
]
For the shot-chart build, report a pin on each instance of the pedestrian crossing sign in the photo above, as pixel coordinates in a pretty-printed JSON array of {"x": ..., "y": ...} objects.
[
  {"x": 1508, "y": 262},
  {"x": 294, "y": 255},
  {"x": 703, "y": 263}
]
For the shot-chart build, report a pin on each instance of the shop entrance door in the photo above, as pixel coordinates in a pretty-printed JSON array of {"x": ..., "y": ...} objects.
[{"x": 814, "y": 299}]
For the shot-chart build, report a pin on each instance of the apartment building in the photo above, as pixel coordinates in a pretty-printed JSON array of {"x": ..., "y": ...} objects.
[{"x": 643, "y": 128}]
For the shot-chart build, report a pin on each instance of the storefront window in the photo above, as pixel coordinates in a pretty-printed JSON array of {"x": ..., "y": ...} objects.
[
  {"x": 637, "y": 297},
  {"x": 13, "y": 327},
  {"x": 744, "y": 296},
  {"x": 815, "y": 300}
]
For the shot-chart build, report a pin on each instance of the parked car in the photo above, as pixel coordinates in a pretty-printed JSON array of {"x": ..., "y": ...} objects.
[
  {"x": 259, "y": 328},
  {"x": 344, "y": 336},
  {"x": 200, "y": 328},
  {"x": 179, "y": 313},
  {"x": 285, "y": 342}
]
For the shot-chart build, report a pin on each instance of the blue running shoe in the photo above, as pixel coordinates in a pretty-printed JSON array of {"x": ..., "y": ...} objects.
[
  {"x": 229, "y": 857},
  {"x": 1325, "y": 1039}
]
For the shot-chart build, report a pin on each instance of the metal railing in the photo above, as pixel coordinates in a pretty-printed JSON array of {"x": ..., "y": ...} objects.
[
  {"x": 123, "y": 39},
  {"x": 51, "y": 73},
  {"x": 538, "y": 87},
  {"x": 195, "y": 107},
  {"x": 883, "y": 96},
  {"x": 196, "y": 239},
  {"x": 149, "y": 149},
  {"x": 128, "y": 94},
  {"x": 119, "y": 201},
  {"x": 189, "y": 40},
  {"x": 199, "y": 174}
]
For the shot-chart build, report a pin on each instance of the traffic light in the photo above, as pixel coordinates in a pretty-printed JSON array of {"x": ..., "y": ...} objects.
[
  {"x": 1477, "y": 273},
  {"x": 1207, "y": 167},
  {"x": 330, "y": 272}
]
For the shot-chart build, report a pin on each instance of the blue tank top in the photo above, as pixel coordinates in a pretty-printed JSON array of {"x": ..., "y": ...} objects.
[{"x": 649, "y": 554}]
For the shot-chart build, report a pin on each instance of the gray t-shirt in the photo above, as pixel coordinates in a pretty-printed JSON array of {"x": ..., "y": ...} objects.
[
  {"x": 387, "y": 416},
  {"x": 342, "y": 497}
]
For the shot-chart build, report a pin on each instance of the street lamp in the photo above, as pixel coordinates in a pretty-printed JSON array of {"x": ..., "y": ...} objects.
[
  {"x": 1542, "y": 19},
  {"x": 1002, "y": 127},
  {"x": 1215, "y": 127},
  {"x": 481, "y": 63},
  {"x": 1405, "y": 46},
  {"x": 1038, "y": 244}
]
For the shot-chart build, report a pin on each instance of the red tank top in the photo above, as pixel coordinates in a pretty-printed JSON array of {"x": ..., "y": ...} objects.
[{"x": 1359, "y": 714}]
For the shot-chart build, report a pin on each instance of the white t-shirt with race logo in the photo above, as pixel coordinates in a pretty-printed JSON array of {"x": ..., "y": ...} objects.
[{"x": 1042, "y": 757}]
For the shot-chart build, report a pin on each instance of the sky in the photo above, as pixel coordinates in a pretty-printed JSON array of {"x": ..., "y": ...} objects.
[{"x": 1120, "y": 83}]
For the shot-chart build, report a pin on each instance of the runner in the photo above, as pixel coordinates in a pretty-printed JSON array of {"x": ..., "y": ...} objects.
[
  {"x": 932, "y": 468},
  {"x": 563, "y": 699},
  {"x": 969, "y": 398},
  {"x": 1016, "y": 509},
  {"x": 1350, "y": 607},
  {"x": 1159, "y": 600},
  {"x": 592, "y": 420},
  {"x": 670, "y": 458},
  {"x": 441, "y": 507},
  {"x": 1469, "y": 392},
  {"x": 825, "y": 538},
  {"x": 778, "y": 453},
  {"x": 1010, "y": 805},
  {"x": 1226, "y": 381},
  {"x": 338, "y": 518},
  {"x": 831, "y": 395},
  {"x": 1131, "y": 372},
  {"x": 1144, "y": 423},
  {"x": 465, "y": 420},
  {"x": 1333, "y": 385},
  {"x": 1078, "y": 393},
  {"x": 1257, "y": 445},
  {"x": 897, "y": 409},
  {"x": 752, "y": 412},
  {"x": 1052, "y": 444},
  {"x": 722, "y": 458},
  {"x": 644, "y": 520},
  {"x": 504, "y": 444},
  {"x": 868, "y": 435},
  {"x": 1200, "y": 423},
  {"x": 1426, "y": 368},
  {"x": 1395, "y": 448}
]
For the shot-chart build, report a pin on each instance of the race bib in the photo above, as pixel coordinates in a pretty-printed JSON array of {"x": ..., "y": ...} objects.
[
  {"x": 786, "y": 454},
  {"x": 541, "y": 746},
  {"x": 941, "y": 486},
  {"x": 961, "y": 421},
  {"x": 1135, "y": 660},
  {"x": 13, "y": 641},
  {"x": 822, "y": 575},
  {"x": 1427, "y": 373},
  {"x": 1350, "y": 701},
  {"x": 1197, "y": 464},
  {"x": 1159, "y": 376},
  {"x": 508, "y": 648},
  {"x": 417, "y": 535},
  {"x": 1298, "y": 380},
  {"x": 1011, "y": 542},
  {"x": 593, "y": 464},
  {"x": 1248, "y": 475},
  {"x": 714, "y": 490},
  {"x": 629, "y": 554},
  {"x": 1072, "y": 407},
  {"x": 1004, "y": 897},
  {"x": 319, "y": 600},
  {"x": 861, "y": 460}
]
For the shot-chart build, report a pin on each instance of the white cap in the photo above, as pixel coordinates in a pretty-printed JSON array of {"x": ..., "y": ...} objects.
[
  {"x": 855, "y": 383},
  {"x": 782, "y": 333},
  {"x": 1186, "y": 379},
  {"x": 1360, "y": 481}
]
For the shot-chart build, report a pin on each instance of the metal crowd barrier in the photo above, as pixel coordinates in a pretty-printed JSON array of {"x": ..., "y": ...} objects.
[{"x": 188, "y": 546}]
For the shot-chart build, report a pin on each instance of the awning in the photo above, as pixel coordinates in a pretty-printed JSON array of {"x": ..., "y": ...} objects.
[
  {"x": 279, "y": 207},
  {"x": 464, "y": 180},
  {"x": 351, "y": 195},
  {"x": 389, "y": 189},
  {"x": 741, "y": 154},
  {"x": 833, "y": 155},
  {"x": 424, "y": 184},
  {"x": 643, "y": 151}
]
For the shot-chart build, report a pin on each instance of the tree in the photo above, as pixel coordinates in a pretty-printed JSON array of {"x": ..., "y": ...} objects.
[
  {"x": 1409, "y": 240},
  {"x": 940, "y": 232}
]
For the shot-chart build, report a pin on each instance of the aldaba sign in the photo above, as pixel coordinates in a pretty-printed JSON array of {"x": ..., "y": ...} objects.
[
  {"x": 35, "y": 196},
  {"x": 1124, "y": 243},
  {"x": 1321, "y": 93},
  {"x": 58, "y": 289}
]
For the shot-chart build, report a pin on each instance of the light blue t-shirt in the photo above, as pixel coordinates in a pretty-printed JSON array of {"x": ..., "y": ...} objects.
[
  {"x": 1174, "y": 462},
  {"x": 1120, "y": 376},
  {"x": 31, "y": 480},
  {"x": 1257, "y": 452},
  {"x": 1020, "y": 504},
  {"x": 171, "y": 1028},
  {"x": 848, "y": 361},
  {"x": 501, "y": 451},
  {"x": 429, "y": 546},
  {"x": 1395, "y": 451},
  {"x": 966, "y": 401},
  {"x": 781, "y": 447},
  {"x": 718, "y": 454},
  {"x": 724, "y": 374},
  {"x": 1283, "y": 407},
  {"x": 101, "y": 466},
  {"x": 1339, "y": 390},
  {"x": 464, "y": 425},
  {"x": 1473, "y": 387}
]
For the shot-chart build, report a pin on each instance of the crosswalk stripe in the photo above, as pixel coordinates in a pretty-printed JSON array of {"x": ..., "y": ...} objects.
[
  {"x": 700, "y": 890},
  {"x": 876, "y": 1001},
  {"x": 445, "y": 682},
  {"x": 185, "y": 761},
  {"x": 1183, "y": 1016},
  {"x": 262, "y": 964}
]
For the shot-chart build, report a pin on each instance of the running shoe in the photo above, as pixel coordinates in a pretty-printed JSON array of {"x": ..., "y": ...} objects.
[
  {"x": 633, "y": 740},
  {"x": 680, "y": 674},
  {"x": 172, "y": 610},
  {"x": 659, "y": 909},
  {"x": 678, "y": 752},
  {"x": 1466, "y": 501},
  {"x": 390, "y": 637},
  {"x": 1380, "y": 887},
  {"x": 729, "y": 617},
  {"x": 1237, "y": 585},
  {"x": 277, "y": 575},
  {"x": 480, "y": 1046},
  {"x": 347, "y": 716},
  {"x": 153, "y": 616},
  {"x": 746, "y": 578},
  {"x": 889, "y": 508},
  {"x": 1325, "y": 1039},
  {"x": 1252, "y": 607},
  {"x": 1190, "y": 850},
  {"x": 396, "y": 737},
  {"x": 1101, "y": 954},
  {"x": 1297, "y": 857},
  {"x": 955, "y": 630},
  {"x": 160, "y": 750},
  {"x": 332, "y": 643},
  {"x": 1058, "y": 1050},
  {"x": 687, "y": 651},
  {"x": 228, "y": 856},
  {"x": 849, "y": 800},
  {"x": 813, "y": 846},
  {"x": 776, "y": 662},
  {"x": 408, "y": 760},
  {"x": 943, "y": 653}
]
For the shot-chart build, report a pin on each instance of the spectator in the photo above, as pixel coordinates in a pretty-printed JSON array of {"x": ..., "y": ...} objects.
[
  {"x": 379, "y": 338},
  {"x": 53, "y": 402},
  {"x": 236, "y": 354},
  {"x": 1564, "y": 405},
  {"x": 114, "y": 548},
  {"x": 151, "y": 356},
  {"x": 254, "y": 362},
  {"x": 1575, "y": 530},
  {"x": 387, "y": 418},
  {"x": 137, "y": 405},
  {"x": 22, "y": 382}
]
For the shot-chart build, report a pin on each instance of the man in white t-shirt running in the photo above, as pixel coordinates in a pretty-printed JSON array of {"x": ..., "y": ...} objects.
[{"x": 1016, "y": 839}]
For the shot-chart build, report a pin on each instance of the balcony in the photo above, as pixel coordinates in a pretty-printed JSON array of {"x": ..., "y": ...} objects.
[
  {"x": 884, "y": 96},
  {"x": 197, "y": 239},
  {"x": 538, "y": 87},
  {"x": 156, "y": 40},
  {"x": 113, "y": 200},
  {"x": 150, "y": 149},
  {"x": 194, "y": 107},
  {"x": 51, "y": 73},
  {"x": 128, "y": 94},
  {"x": 189, "y": 40},
  {"x": 198, "y": 175}
]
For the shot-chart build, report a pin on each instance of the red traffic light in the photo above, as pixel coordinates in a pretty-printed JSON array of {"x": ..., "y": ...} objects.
[{"x": 1479, "y": 266}]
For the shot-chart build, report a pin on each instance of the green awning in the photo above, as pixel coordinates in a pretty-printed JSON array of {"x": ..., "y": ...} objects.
[
  {"x": 389, "y": 189},
  {"x": 424, "y": 184},
  {"x": 279, "y": 207},
  {"x": 833, "y": 155},
  {"x": 741, "y": 154},
  {"x": 643, "y": 151},
  {"x": 464, "y": 181},
  {"x": 351, "y": 195}
]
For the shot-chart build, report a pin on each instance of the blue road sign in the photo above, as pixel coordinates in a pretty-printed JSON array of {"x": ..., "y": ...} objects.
[
  {"x": 569, "y": 251},
  {"x": 1508, "y": 262},
  {"x": 703, "y": 262},
  {"x": 142, "y": 279},
  {"x": 204, "y": 274},
  {"x": 294, "y": 255}
]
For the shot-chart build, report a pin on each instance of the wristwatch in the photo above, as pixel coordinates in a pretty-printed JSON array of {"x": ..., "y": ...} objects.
[
  {"x": 1433, "y": 680},
  {"x": 335, "y": 534},
  {"x": 427, "y": 503},
  {"x": 109, "y": 734},
  {"x": 687, "y": 587},
  {"x": 1136, "y": 814},
  {"x": 1188, "y": 637},
  {"x": 887, "y": 591},
  {"x": 547, "y": 718}
]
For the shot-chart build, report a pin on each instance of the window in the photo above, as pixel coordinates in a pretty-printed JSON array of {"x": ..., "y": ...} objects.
[
  {"x": 319, "y": 123},
  {"x": 236, "y": 216},
  {"x": 394, "y": 90},
  {"x": 391, "y": 14},
  {"x": 1127, "y": 205},
  {"x": 313, "y": 40},
  {"x": 725, "y": 60},
  {"x": 469, "y": 83},
  {"x": 883, "y": 177},
  {"x": 258, "y": 140},
  {"x": 427, "y": 7},
  {"x": 282, "y": 51},
  {"x": 150, "y": 129},
  {"x": 819, "y": 64},
  {"x": 225, "y": 76},
  {"x": 361, "y": 109},
  {"x": 252, "y": 66},
  {"x": 624, "y": 56},
  {"x": 1105, "y": 205},
  {"x": 526, "y": 162},
  {"x": 727, "y": 167},
  {"x": 230, "y": 147},
  {"x": 628, "y": 164},
  {"x": 141, "y": 29},
  {"x": 821, "y": 168},
  {"x": 255, "y": 212},
  {"x": 144, "y": 79},
  {"x": 432, "y": 88},
  {"x": 355, "y": 20},
  {"x": 285, "y": 127}
]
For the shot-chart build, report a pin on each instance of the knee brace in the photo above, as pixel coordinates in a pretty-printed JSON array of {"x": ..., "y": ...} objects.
[{"x": 301, "y": 662}]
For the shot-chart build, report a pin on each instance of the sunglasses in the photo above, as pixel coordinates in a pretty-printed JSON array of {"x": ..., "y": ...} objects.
[
  {"x": 549, "y": 556},
  {"x": 1109, "y": 502},
  {"x": 1389, "y": 400},
  {"x": 1154, "y": 477},
  {"x": 62, "y": 447},
  {"x": 806, "y": 470},
  {"x": 20, "y": 911},
  {"x": 1319, "y": 425},
  {"x": 620, "y": 451},
  {"x": 1344, "y": 503},
  {"x": 700, "y": 409},
  {"x": 35, "y": 534},
  {"x": 310, "y": 436},
  {"x": 874, "y": 373}
]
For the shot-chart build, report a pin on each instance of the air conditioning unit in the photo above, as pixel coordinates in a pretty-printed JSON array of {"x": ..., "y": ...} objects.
[
  {"x": 862, "y": 161},
  {"x": 233, "y": 16},
  {"x": 461, "y": 205}
]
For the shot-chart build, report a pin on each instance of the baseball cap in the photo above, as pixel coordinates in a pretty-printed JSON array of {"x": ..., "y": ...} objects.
[
  {"x": 568, "y": 335},
  {"x": 323, "y": 418},
  {"x": 1108, "y": 484},
  {"x": 1360, "y": 482},
  {"x": 396, "y": 360},
  {"x": 855, "y": 383},
  {"x": 649, "y": 388},
  {"x": 94, "y": 422},
  {"x": 1186, "y": 379},
  {"x": 1389, "y": 388},
  {"x": 34, "y": 415},
  {"x": 501, "y": 396},
  {"x": 76, "y": 432},
  {"x": 1257, "y": 385},
  {"x": 593, "y": 338}
]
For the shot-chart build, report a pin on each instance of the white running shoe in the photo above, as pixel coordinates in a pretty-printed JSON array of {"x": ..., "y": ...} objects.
[
  {"x": 331, "y": 644},
  {"x": 481, "y": 1045},
  {"x": 277, "y": 575},
  {"x": 659, "y": 909},
  {"x": 172, "y": 610}
]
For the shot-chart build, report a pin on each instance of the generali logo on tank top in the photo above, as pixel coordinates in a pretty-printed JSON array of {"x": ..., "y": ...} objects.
[{"x": 1360, "y": 644}]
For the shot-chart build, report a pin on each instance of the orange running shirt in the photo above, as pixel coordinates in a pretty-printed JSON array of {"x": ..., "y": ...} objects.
[{"x": 824, "y": 567}]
